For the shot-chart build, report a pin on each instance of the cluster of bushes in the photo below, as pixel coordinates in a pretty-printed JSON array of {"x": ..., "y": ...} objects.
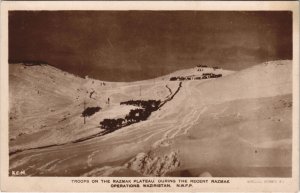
[
  {"x": 151, "y": 105},
  {"x": 202, "y": 66},
  {"x": 204, "y": 76},
  {"x": 137, "y": 115},
  {"x": 90, "y": 111},
  {"x": 181, "y": 78},
  {"x": 210, "y": 75},
  {"x": 112, "y": 124},
  {"x": 134, "y": 116}
]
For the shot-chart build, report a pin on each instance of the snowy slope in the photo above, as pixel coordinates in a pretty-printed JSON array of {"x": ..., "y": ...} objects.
[
  {"x": 244, "y": 112},
  {"x": 265, "y": 80},
  {"x": 46, "y": 103}
]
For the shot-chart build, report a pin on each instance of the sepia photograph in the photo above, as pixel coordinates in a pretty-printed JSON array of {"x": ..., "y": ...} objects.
[{"x": 202, "y": 94}]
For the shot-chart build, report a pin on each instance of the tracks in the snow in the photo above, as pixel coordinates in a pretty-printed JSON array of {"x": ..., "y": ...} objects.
[
  {"x": 94, "y": 135},
  {"x": 172, "y": 96}
]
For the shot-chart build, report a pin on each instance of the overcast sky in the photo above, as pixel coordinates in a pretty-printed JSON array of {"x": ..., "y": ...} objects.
[{"x": 135, "y": 45}]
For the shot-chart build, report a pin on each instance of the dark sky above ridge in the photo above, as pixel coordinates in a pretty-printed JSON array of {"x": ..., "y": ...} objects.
[{"x": 136, "y": 45}]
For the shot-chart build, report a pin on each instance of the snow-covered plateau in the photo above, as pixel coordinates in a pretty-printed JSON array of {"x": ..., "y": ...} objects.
[{"x": 196, "y": 124}]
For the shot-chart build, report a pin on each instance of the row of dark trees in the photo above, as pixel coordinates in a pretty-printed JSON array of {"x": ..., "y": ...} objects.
[
  {"x": 202, "y": 66},
  {"x": 204, "y": 76},
  {"x": 134, "y": 116},
  {"x": 181, "y": 78},
  {"x": 211, "y": 75},
  {"x": 111, "y": 125},
  {"x": 151, "y": 105}
]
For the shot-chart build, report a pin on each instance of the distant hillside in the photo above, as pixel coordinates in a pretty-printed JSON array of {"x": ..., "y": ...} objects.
[
  {"x": 264, "y": 80},
  {"x": 197, "y": 71}
]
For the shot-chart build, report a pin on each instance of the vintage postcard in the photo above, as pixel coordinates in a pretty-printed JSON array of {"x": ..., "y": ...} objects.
[{"x": 150, "y": 96}]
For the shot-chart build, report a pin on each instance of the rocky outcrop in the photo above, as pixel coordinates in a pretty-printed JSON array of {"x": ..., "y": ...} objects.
[{"x": 148, "y": 165}]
